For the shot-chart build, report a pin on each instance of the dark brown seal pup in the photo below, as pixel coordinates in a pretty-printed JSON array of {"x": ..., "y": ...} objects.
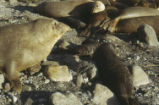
[
  {"x": 114, "y": 74},
  {"x": 132, "y": 24},
  {"x": 25, "y": 45},
  {"x": 71, "y": 11},
  {"x": 133, "y": 12}
]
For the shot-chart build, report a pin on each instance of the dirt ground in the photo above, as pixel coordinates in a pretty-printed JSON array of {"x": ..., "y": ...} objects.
[{"x": 37, "y": 88}]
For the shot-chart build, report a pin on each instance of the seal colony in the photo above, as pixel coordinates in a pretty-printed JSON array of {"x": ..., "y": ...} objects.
[
  {"x": 20, "y": 50},
  {"x": 20, "y": 45}
]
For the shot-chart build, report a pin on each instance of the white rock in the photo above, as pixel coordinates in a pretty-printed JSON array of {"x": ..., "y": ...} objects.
[
  {"x": 104, "y": 96},
  {"x": 1, "y": 80},
  {"x": 139, "y": 76},
  {"x": 59, "y": 73},
  {"x": 79, "y": 80},
  {"x": 61, "y": 99}
]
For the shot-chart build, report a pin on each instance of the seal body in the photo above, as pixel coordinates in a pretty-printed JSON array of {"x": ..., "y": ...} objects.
[
  {"x": 133, "y": 12},
  {"x": 73, "y": 13},
  {"x": 132, "y": 24},
  {"x": 114, "y": 74},
  {"x": 25, "y": 45},
  {"x": 76, "y": 9}
]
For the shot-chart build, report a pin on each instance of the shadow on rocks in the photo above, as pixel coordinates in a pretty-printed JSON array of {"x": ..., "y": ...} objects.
[
  {"x": 25, "y": 8},
  {"x": 35, "y": 98}
]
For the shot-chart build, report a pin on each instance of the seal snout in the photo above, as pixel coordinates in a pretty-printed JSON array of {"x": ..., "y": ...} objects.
[{"x": 61, "y": 27}]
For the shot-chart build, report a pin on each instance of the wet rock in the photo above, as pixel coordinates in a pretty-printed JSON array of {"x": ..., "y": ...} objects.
[
  {"x": 62, "y": 99},
  {"x": 139, "y": 76},
  {"x": 147, "y": 34},
  {"x": 58, "y": 73},
  {"x": 1, "y": 80},
  {"x": 104, "y": 96}
]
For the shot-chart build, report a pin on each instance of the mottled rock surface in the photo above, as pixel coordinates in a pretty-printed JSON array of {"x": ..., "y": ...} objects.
[
  {"x": 104, "y": 96},
  {"x": 61, "y": 99}
]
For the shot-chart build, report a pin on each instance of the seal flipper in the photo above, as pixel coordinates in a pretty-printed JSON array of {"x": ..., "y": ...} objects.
[{"x": 12, "y": 76}]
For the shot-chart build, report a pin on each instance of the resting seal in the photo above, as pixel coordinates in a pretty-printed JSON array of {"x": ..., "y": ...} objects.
[
  {"x": 25, "y": 45},
  {"x": 132, "y": 24},
  {"x": 71, "y": 11},
  {"x": 133, "y": 12}
]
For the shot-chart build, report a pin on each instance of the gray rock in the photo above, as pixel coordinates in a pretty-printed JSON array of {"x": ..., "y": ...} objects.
[
  {"x": 104, "y": 96},
  {"x": 139, "y": 76},
  {"x": 62, "y": 99},
  {"x": 92, "y": 72},
  {"x": 79, "y": 80},
  {"x": 12, "y": 2},
  {"x": 58, "y": 73},
  {"x": 147, "y": 34}
]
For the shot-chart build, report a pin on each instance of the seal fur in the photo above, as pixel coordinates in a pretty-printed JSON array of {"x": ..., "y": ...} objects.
[
  {"x": 114, "y": 74},
  {"x": 25, "y": 45}
]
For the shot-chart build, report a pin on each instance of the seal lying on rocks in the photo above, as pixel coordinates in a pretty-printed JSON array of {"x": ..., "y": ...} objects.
[
  {"x": 132, "y": 24},
  {"x": 71, "y": 11},
  {"x": 25, "y": 45},
  {"x": 114, "y": 74},
  {"x": 133, "y": 12}
]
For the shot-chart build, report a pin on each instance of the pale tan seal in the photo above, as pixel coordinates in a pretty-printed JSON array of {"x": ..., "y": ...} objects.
[
  {"x": 25, "y": 45},
  {"x": 133, "y": 12},
  {"x": 132, "y": 24},
  {"x": 70, "y": 11}
]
